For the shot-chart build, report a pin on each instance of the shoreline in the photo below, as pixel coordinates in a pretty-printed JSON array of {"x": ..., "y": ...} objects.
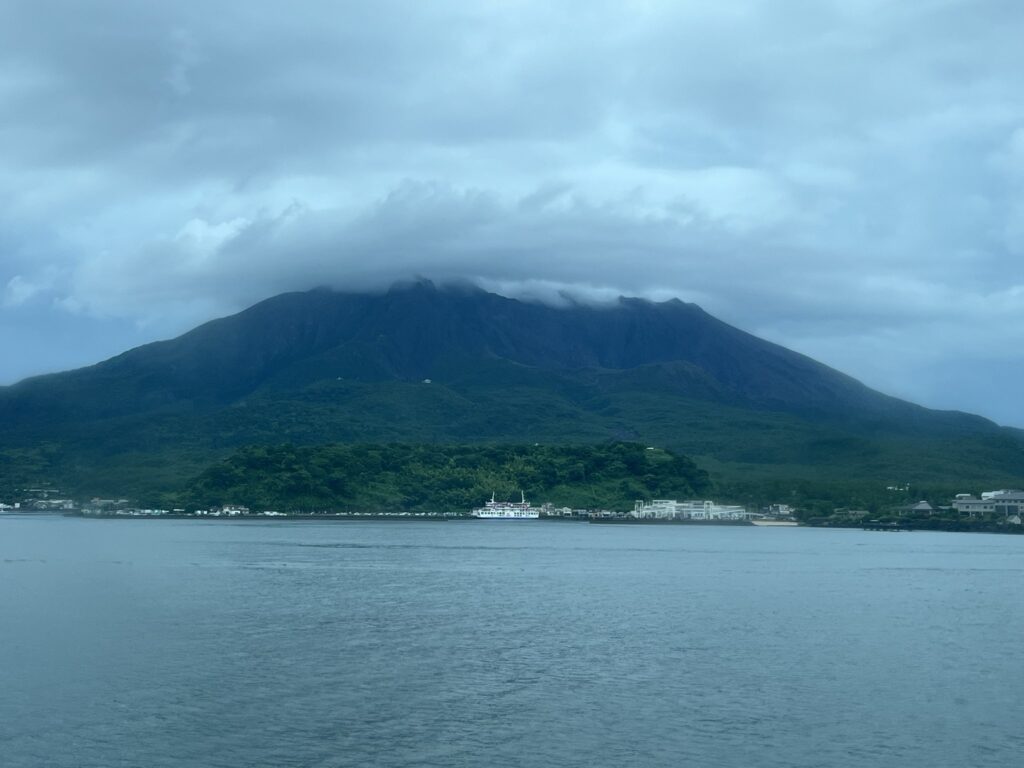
[{"x": 904, "y": 527}]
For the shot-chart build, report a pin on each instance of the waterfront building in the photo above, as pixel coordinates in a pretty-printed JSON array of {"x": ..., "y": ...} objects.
[
  {"x": 658, "y": 509},
  {"x": 994, "y": 494},
  {"x": 670, "y": 509},
  {"x": 991, "y": 502}
]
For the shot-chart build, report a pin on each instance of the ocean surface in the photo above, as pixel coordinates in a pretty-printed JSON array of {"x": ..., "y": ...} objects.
[{"x": 491, "y": 643}]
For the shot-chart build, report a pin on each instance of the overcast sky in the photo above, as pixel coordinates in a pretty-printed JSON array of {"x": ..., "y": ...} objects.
[{"x": 844, "y": 177}]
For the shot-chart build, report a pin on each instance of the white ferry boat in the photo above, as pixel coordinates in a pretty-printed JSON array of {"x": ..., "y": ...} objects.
[{"x": 507, "y": 510}]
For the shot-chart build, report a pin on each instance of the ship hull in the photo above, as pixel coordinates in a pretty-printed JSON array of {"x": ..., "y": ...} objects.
[{"x": 486, "y": 516}]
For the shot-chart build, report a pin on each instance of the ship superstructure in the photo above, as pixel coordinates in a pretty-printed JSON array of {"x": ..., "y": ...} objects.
[{"x": 507, "y": 510}]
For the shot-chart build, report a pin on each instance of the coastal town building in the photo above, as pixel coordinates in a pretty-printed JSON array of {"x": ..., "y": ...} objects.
[
  {"x": 670, "y": 509},
  {"x": 995, "y": 494},
  {"x": 921, "y": 507},
  {"x": 1005, "y": 502},
  {"x": 52, "y": 504}
]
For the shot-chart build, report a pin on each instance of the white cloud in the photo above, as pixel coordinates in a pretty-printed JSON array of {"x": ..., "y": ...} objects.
[
  {"x": 22, "y": 290},
  {"x": 19, "y": 290},
  {"x": 824, "y": 172},
  {"x": 186, "y": 56}
]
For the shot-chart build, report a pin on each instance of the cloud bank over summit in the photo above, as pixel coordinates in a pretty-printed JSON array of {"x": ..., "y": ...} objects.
[{"x": 845, "y": 178}]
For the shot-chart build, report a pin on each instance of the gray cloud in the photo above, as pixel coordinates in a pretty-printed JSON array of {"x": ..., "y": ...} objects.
[{"x": 846, "y": 178}]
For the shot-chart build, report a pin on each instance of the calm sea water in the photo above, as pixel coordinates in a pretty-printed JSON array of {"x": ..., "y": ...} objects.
[{"x": 488, "y": 643}]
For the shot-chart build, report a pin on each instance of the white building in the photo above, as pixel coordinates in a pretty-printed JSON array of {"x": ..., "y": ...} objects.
[
  {"x": 657, "y": 509},
  {"x": 993, "y": 494},
  {"x": 991, "y": 502},
  {"x": 670, "y": 509}
]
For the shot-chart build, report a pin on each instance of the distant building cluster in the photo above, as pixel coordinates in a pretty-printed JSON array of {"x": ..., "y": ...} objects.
[
  {"x": 51, "y": 500},
  {"x": 670, "y": 509},
  {"x": 45, "y": 499},
  {"x": 569, "y": 513},
  {"x": 104, "y": 510},
  {"x": 1008, "y": 503},
  {"x": 1005, "y": 505}
]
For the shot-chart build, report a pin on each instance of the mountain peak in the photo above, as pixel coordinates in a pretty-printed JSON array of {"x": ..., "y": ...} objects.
[{"x": 417, "y": 327}]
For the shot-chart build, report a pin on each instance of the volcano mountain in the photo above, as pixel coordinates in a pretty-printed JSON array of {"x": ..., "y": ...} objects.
[{"x": 457, "y": 365}]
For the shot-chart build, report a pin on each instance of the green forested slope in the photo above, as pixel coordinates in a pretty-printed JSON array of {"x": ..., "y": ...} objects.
[{"x": 443, "y": 478}]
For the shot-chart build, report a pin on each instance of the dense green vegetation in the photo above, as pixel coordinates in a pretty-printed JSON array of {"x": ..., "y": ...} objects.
[
  {"x": 747, "y": 452},
  {"x": 443, "y": 478},
  {"x": 819, "y": 498},
  {"x": 28, "y": 466}
]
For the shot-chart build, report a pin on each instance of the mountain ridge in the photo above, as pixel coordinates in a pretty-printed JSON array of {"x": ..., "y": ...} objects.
[
  {"x": 328, "y": 366},
  {"x": 285, "y": 337}
]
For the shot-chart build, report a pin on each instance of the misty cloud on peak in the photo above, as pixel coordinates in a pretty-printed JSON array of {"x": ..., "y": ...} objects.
[{"x": 843, "y": 178}]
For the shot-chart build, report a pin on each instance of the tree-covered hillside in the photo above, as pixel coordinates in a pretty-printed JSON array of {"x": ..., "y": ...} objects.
[{"x": 443, "y": 478}]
